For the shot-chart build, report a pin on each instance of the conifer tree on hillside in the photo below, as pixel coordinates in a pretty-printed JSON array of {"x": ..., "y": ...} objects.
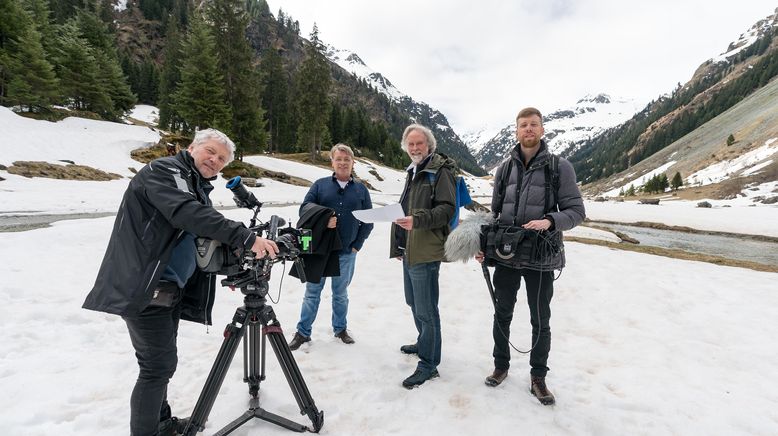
[
  {"x": 312, "y": 96},
  {"x": 677, "y": 181},
  {"x": 241, "y": 80},
  {"x": 13, "y": 25},
  {"x": 275, "y": 100},
  {"x": 33, "y": 85},
  {"x": 169, "y": 118},
  {"x": 199, "y": 96},
  {"x": 78, "y": 71}
]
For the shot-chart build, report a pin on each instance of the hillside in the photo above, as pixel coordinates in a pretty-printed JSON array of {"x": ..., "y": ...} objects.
[
  {"x": 709, "y": 166},
  {"x": 719, "y": 84},
  {"x": 367, "y": 111}
]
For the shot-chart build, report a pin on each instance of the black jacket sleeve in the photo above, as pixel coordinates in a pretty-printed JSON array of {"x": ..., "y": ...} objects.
[{"x": 168, "y": 192}]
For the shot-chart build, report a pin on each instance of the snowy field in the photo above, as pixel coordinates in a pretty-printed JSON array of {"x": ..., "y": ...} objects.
[{"x": 641, "y": 344}]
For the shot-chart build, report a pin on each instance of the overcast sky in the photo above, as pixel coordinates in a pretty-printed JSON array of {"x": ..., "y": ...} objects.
[{"x": 479, "y": 62}]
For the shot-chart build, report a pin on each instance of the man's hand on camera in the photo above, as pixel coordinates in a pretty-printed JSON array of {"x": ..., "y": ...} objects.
[
  {"x": 332, "y": 223},
  {"x": 264, "y": 246},
  {"x": 480, "y": 257},
  {"x": 539, "y": 225}
]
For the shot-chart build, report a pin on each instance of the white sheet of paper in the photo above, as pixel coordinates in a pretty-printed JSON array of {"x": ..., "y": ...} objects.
[{"x": 387, "y": 213}]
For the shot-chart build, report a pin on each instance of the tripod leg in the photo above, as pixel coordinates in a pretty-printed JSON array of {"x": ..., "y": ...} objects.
[
  {"x": 293, "y": 375},
  {"x": 253, "y": 361},
  {"x": 232, "y": 337}
]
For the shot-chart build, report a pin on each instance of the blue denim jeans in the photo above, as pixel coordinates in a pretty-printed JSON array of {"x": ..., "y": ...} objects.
[
  {"x": 339, "y": 297},
  {"x": 421, "y": 293}
]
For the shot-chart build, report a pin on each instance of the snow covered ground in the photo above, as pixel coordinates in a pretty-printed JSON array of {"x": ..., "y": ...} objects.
[{"x": 641, "y": 344}]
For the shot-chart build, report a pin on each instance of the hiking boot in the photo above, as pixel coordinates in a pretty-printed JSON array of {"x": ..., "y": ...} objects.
[
  {"x": 298, "y": 340},
  {"x": 419, "y": 377},
  {"x": 539, "y": 389},
  {"x": 344, "y": 336},
  {"x": 497, "y": 377},
  {"x": 173, "y": 426},
  {"x": 410, "y": 349}
]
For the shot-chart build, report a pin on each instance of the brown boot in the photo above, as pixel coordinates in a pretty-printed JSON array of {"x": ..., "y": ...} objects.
[
  {"x": 497, "y": 377},
  {"x": 539, "y": 389}
]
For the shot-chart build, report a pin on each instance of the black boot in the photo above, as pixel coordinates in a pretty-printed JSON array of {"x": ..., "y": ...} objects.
[{"x": 298, "y": 340}]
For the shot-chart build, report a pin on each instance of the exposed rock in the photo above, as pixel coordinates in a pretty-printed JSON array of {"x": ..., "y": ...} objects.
[
  {"x": 704, "y": 204},
  {"x": 771, "y": 200},
  {"x": 649, "y": 201},
  {"x": 600, "y": 199}
]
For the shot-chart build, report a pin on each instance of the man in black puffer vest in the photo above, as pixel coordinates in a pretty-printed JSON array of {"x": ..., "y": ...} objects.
[
  {"x": 521, "y": 199},
  {"x": 149, "y": 275}
]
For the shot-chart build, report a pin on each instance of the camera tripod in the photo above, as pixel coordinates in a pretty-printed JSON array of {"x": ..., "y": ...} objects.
[{"x": 246, "y": 324}]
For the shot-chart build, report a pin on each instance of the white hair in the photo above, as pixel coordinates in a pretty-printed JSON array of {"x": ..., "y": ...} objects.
[
  {"x": 204, "y": 135},
  {"x": 431, "y": 143},
  {"x": 341, "y": 147}
]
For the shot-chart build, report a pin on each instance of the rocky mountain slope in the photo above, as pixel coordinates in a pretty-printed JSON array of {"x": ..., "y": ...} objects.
[{"x": 566, "y": 130}]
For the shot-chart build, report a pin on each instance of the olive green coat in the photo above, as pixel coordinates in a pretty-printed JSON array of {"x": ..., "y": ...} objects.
[{"x": 431, "y": 214}]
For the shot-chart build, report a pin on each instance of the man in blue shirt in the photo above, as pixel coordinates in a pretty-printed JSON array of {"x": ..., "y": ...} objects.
[{"x": 341, "y": 193}]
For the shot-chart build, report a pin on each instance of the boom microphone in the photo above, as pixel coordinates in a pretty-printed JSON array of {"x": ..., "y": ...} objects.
[{"x": 465, "y": 241}]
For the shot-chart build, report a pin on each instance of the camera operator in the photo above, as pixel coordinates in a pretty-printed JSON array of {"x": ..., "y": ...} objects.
[
  {"x": 417, "y": 239},
  {"x": 149, "y": 275},
  {"x": 523, "y": 201}
]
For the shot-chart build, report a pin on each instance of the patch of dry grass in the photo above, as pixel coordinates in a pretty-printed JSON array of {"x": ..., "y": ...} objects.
[{"x": 63, "y": 172}]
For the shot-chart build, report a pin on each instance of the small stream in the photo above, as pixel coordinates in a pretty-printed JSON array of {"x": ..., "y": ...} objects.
[{"x": 732, "y": 247}]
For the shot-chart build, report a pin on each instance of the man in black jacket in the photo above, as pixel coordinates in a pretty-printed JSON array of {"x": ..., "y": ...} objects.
[{"x": 149, "y": 275}]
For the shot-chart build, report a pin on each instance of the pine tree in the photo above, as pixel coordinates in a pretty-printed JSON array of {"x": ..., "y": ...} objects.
[
  {"x": 241, "y": 81},
  {"x": 13, "y": 25},
  {"x": 200, "y": 94},
  {"x": 663, "y": 183},
  {"x": 312, "y": 89},
  {"x": 114, "y": 83},
  {"x": 78, "y": 71},
  {"x": 34, "y": 84},
  {"x": 631, "y": 191},
  {"x": 730, "y": 139},
  {"x": 170, "y": 76},
  {"x": 677, "y": 181},
  {"x": 275, "y": 100}
]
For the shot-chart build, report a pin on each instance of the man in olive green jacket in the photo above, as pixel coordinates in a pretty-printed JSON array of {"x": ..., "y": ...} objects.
[{"x": 417, "y": 239}]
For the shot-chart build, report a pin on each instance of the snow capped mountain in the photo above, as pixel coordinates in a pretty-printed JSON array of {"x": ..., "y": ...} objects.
[
  {"x": 749, "y": 37},
  {"x": 477, "y": 139},
  {"x": 417, "y": 112},
  {"x": 566, "y": 129},
  {"x": 352, "y": 63}
]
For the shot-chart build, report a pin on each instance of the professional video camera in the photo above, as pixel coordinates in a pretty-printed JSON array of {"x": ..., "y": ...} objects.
[
  {"x": 254, "y": 323},
  {"x": 240, "y": 266}
]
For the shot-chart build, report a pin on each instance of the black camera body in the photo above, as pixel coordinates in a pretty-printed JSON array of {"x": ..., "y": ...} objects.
[
  {"x": 517, "y": 247},
  {"x": 242, "y": 268}
]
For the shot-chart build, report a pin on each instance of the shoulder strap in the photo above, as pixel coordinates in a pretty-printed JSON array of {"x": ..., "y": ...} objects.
[
  {"x": 504, "y": 179},
  {"x": 552, "y": 184}
]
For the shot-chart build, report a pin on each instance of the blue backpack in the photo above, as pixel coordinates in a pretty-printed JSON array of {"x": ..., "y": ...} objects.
[{"x": 462, "y": 196}]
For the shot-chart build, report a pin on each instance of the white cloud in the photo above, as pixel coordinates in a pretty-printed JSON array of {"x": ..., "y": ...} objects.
[{"x": 480, "y": 62}]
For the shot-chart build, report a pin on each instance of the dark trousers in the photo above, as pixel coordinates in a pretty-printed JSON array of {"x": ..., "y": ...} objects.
[
  {"x": 153, "y": 335},
  {"x": 540, "y": 290}
]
